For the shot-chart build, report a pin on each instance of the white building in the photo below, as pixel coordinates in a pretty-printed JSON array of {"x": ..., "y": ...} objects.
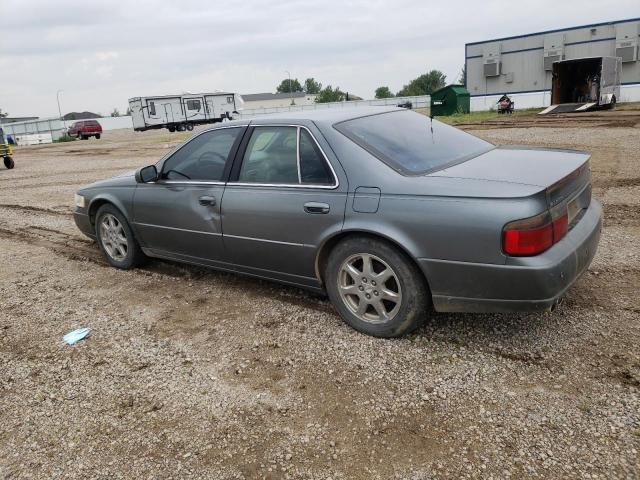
[{"x": 255, "y": 101}]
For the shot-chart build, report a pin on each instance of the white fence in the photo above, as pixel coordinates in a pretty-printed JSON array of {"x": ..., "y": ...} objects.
[{"x": 421, "y": 101}]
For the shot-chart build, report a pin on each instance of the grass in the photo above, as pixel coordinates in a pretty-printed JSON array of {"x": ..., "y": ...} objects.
[
  {"x": 485, "y": 116},
  {"x": 65, "y": 138}
]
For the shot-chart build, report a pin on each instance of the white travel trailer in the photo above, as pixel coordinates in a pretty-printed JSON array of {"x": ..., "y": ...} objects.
[{"x": 182, "y": 112}]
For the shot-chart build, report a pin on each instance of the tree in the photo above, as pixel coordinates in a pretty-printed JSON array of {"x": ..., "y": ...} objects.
[
  {"x": 115, "y": 113},
  {"x": 128, "y": 114},
  {"x": 3, "y": 114},
  {"x": 425, "y": 84},
  {"x": 312, "y": 87},
  {"x": 329, "y": 94},
  {"x": 383, "y": 92},
  {"x": 463, "y": 76},
  {"x": 288, "y": 86}
]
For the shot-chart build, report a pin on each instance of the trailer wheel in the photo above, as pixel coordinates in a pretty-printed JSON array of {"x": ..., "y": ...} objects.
[
  {"x": 181, "y": 127},
  {"x": 171, "y": 129},
  {"x": 9, "y": 163},
  {"x": 189, "y": 126}
]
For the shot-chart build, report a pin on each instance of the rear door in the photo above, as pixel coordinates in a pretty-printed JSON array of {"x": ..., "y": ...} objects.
[
  {"x": 179, "y": 215},
  {"x": 283, "y": 199}
]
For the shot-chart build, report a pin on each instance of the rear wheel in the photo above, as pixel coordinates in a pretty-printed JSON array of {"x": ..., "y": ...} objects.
[
  {"x": 116, "y": 239},
  {"x": 189, "y": 126},
  {"x": 376, "y": 289},
  {"x": 97, "y": 136},
  {"x": 8, "y": 162}
]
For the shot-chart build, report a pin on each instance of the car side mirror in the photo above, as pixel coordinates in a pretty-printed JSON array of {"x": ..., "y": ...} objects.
[{"x": 147, "y": 174}]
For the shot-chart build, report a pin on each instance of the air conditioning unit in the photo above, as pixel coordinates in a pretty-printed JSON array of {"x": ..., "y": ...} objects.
[
  {"x": 553, "y": 50},
  {"x": 551, "y": 57},
  {"x": 491, "y": 68},
  {"x": 491, "y": 60},
  {"x": 627, "y": 42},
  {"x": 627, "y": 52}
]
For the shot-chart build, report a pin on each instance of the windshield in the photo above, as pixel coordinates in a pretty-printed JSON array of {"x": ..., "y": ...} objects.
[{"x": 411, "y": 143}]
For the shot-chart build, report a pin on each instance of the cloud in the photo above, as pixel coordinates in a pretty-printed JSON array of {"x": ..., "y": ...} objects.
[{"x": 108, "y": 51}]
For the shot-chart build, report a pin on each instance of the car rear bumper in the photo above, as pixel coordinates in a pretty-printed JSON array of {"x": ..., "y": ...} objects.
[
  {"x": 83, "y": 223},
  {"x": 523, "y": 283}
]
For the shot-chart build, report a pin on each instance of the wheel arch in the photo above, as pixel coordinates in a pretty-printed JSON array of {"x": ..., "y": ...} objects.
[
  {"x": 101, "y": 200},
  {"x": 327, "y": 246}
]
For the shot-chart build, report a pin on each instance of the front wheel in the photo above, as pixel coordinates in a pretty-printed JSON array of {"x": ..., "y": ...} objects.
[
  {"x": 116, "y": 239},
  {"x": 9, "y": 163},
  {"x": 376, "y": 288}
]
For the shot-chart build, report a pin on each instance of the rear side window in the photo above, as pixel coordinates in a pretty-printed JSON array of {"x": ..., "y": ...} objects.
[
  {"x": 91, "y": 122},
  {"x": 411, "y": 143},
  {"x": 313, "y": 167},
  {"x": 152, "y": 108}
]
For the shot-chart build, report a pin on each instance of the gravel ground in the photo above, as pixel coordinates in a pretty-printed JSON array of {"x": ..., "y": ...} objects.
[{"x": 190, "y": 373}]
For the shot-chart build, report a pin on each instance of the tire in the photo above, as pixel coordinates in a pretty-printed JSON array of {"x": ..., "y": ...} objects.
[
  {"x": 118, "y": 244},
  {"x": 401, "y": 314},
  {"x": 97, "y": 136},
  {"x": 171, "y": 129},
  {"x": 189, "y": 126},
  {"x": 9, "y": 163}
]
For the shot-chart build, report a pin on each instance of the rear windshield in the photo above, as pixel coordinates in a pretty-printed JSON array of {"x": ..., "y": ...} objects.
[
  {"x": 411, "y": 143},
  {"x": 91, "y": 122}
]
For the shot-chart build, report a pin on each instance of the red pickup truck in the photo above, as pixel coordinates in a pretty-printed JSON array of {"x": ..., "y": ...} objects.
[{"x": 85, "y": 129}]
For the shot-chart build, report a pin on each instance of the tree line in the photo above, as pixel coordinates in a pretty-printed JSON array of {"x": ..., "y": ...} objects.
[{"x": 424, "y": 84}]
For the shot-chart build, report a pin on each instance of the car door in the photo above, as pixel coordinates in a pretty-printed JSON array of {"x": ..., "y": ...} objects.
[
  {"x": 179, "y": 214},
  {"x": 283, "y": 198}
]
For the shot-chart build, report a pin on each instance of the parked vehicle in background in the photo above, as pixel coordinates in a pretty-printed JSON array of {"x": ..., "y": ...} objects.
[
  {"x": 582, "y": 84},
  {"x": 386, "y": 210},
  {"x": 83, "y": 129},
  {"x": 183, "y": 112}
]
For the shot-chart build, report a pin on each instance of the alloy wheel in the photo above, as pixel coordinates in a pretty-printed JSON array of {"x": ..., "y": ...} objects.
[
  {"x": 113, "y": 237},
  {"x": 370, "y": 288}
]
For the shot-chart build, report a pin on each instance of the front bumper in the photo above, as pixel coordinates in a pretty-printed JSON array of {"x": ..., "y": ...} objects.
[
  {"x": 523, "y": 283},
  {"x": 83, "y": 222}
]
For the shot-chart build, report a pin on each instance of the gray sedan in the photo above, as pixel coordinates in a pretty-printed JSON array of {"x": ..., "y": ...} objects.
[{"x": 389, "y": 212}]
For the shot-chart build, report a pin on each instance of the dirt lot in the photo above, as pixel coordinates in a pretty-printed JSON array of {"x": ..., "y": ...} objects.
[{"x": 191, "y": 373}]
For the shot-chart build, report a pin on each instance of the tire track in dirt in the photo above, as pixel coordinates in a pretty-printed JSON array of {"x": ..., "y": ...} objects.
[
  {"x": 60, "y": 243},
  {"x": 621, "y": 214},
  {"x": 31, "y": 209}
]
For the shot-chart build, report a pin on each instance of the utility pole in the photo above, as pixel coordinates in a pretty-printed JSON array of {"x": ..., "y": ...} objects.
[
  {"x": 290, "y": 91},
  {"x": 64, "y": 124}
]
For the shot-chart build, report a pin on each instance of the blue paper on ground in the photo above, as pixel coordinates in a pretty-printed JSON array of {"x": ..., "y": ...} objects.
[{"x": 77, "y": 335}]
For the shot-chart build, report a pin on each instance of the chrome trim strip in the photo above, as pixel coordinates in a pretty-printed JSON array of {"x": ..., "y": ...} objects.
[
  {"x": 326, "y": 159},
  {"x": 216, "y": 234},
  {"x": 265, "y": 240},
  {"x": 189, "y": 182},
  {"x": 298, "y": 154}
]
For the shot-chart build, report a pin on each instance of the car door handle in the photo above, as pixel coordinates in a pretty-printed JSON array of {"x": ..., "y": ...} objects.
[
  {"x": 207, "y": 200},
  {"x": 315, "y": 207}
]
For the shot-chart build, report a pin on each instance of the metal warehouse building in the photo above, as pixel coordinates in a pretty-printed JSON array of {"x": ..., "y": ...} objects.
[{"x": 521, "y": 65}]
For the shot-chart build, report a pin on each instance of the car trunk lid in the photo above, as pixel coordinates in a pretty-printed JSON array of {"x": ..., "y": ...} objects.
[{"x": 562, "y": 173}]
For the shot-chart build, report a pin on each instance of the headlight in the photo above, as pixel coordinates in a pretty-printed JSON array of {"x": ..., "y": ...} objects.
[{"x": 79, "y": 200}]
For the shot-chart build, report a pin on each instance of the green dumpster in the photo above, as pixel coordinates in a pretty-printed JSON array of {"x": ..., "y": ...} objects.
[{"x": 449, "y": 100}]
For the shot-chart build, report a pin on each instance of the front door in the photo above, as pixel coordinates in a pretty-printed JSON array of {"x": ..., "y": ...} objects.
[
  {"x": 282, "y": 200},
  {"x": 179, "y": 215}
]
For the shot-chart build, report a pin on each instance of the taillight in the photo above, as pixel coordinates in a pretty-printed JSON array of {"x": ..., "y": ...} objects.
[{"x": 532, "y": 236}]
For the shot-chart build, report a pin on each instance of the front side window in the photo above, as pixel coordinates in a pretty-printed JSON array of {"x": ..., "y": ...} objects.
[
  {"x": 193, "y": 105},
  {"x": 203, "y": 158},
  {"x": 411, "y": 143},
  {"x": 229, "y": 99}
]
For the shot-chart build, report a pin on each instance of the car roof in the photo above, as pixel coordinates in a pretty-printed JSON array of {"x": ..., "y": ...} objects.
[{"x": 328, "y": 116}]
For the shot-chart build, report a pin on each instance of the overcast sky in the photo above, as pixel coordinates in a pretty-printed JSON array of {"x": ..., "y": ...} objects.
[{"x": 101, "y": 53}]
